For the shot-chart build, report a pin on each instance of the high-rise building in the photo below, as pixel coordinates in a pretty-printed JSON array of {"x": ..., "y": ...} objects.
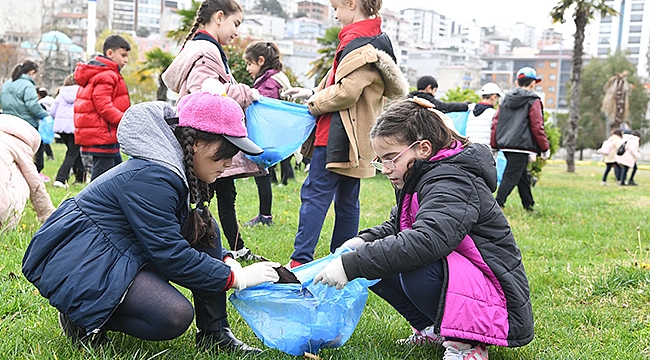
[
  {"x": 629, "y": 32},
  {"x": 427, "y": 26}
]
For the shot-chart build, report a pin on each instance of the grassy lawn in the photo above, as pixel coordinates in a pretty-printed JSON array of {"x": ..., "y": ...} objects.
[{"x": 589, "y": 299}]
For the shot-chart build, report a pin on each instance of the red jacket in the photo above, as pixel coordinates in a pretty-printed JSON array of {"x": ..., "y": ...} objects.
[{"x": 101, "y": 101}]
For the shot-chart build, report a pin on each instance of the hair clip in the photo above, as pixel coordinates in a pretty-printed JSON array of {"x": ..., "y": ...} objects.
[{"x": 423, "y": 102}]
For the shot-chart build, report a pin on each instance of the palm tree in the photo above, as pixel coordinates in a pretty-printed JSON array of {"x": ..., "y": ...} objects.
[
  {"x": 157, "y": 62},
  {"x": 329, "y": 42},
  {"x": 583, "y": 12},
  {"x": 187, "y": 20},
  {"x": 615, "y": 102}
]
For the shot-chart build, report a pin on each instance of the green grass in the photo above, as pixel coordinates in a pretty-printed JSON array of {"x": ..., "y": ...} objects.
[{"x": 589, "y": 299}]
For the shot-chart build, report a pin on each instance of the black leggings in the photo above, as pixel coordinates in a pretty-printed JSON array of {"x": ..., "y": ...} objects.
[{"x": 152, "y": 309}]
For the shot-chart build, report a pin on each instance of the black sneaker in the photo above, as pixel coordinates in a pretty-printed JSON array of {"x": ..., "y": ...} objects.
[
  {"x": 631, "y": 183},
  {"x": 260, "y": 219},
  {"x": 223, "y": 340},
  {"x": 77, "y": 334}
]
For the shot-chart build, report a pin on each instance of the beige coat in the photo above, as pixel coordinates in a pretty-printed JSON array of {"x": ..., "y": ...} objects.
[
  {"x": 19, "y": 179},
  {"x": 609, "y": 148},
  {"x": 363, "y": 79},
  {"x": 631, "y": 154}
]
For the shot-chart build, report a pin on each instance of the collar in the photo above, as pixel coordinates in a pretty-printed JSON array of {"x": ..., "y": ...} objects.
[{"x": 204, "y": 35}]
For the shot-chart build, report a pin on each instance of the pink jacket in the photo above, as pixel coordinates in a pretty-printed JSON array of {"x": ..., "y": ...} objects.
[
  {"x": 199, "y": 60},
  {"x": 632, "y": 153},
  {"x": 19, "y": 178}
]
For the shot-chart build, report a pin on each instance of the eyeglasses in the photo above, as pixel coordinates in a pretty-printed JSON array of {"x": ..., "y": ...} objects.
[{"x": 390, "y": 164}]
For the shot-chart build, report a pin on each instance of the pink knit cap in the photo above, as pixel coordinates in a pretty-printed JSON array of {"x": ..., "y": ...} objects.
[{"x": 216, "y": 114}]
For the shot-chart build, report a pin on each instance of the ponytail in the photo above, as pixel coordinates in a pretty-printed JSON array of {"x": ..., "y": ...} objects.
[{"x": 23, "y": 68}]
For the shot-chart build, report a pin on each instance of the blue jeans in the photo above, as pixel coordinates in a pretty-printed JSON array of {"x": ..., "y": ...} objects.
[{"x": 319, "y": 189}]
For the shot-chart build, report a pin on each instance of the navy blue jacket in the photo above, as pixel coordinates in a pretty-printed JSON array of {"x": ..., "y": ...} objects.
[{"x": 88, "y": 252}]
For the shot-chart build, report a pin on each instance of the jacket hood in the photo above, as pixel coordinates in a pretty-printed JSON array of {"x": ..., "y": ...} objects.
[
  {"x": 480, "y": 108},
  {"x": 20, "y": 129},
  {"x": 68, "y": 93},
  {"x": 475, "y": 159},
  {"x": 143, "y": 133},
  {"x": 518, "y": 98},
  {"x": 84, "y": 72}
]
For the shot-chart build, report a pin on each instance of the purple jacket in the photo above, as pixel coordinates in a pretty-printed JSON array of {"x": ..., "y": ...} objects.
[
  {"x": 272, "y": 83},
  {"x": 446, "y": 210},
  {"x": 62, "y": 110}
]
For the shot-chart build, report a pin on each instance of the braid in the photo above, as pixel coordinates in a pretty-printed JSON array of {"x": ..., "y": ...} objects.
[
  {"x": 195, "y": 27},
  {"x": 371, "y": 7},
  {"x": 193, "y": 229}
]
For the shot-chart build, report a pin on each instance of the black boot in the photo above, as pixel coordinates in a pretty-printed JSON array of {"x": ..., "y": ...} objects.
[{"x": 214, "y": 333}]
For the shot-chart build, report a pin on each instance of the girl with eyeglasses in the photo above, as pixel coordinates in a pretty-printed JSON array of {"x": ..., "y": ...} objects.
[{"x": 447, "y": 259}]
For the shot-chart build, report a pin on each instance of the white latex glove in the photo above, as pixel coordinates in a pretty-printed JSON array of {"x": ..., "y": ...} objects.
[
  {"x": 546, "y": 154},
  {"x": 471, "y": 106},
  {"x": 298, "y": 93},
  {"x": 234, "y": 264},
  {"x": 333, "y": 275},
  {"x": 255, "y": 274},
  {"x": 256, "y": 94},
  {"x": 353, "y": 243}
]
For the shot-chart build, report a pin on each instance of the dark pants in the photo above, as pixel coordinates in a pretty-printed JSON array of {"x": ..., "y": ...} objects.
[
  {"x": 617, "y": 171},
  {"x": 286, "y": 172},
  {"x": 38, "y": 157},
  {"x": 414, "y": 294},
  {"x": 319, "y": 189},
  {"x": 153, "y": 309},
  {"x": 102, "y": 164},
  {"x": 515, "y": 174},
  {"x": 624, "y": 170},
  {"x": 48, "y": 150},
  {"x": 72, "y": 161},
  {"x": 633, "y": 173},
  {"x": 265, "y": 193},
  {"x": 226, "y": 194}
]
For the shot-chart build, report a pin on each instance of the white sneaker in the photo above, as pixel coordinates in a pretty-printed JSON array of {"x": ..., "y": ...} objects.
[
  {"x": 424, "y": 337},
  {"x": 456, "y": 350},
  {"x": 60, "y": 184}
]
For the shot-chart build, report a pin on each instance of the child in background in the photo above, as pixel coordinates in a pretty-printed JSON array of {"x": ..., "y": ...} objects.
[
  {"x": 608, "y": 150},
  {"x": 203, "y": 57},
  {"x": 19, "y": 179},
  {"x": 62, "y": 111},
  {"x": 264, "y": 64},
  {"x": 105, "y": 257},
  {"x": 447, "y": 259},
  {"x": 345, "y": 103},
  {"x": 632, "y": 140},
  {"x": 46, "y": 102},
  {"x": 100, "y": 104}
]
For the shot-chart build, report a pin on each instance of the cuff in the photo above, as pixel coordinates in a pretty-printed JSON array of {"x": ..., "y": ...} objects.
[
  {"x": 229, "y": 281},
  {"x": 350, "y": 262}
]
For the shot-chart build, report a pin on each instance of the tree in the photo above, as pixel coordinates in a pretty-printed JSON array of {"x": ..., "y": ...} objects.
[
  {"x": 157, "y": 62},
  {"x": 142, "y": 32},
  {"x": 461, "y": 95},
  {"x": 583, "y": 12},
  {"x": 9, "y": 58},
  {"x": 616, "y": 103},
  {"x": 329, "y": 42},
  {"x": 188, "y": 16},
  {"x": 269, "y": 7}
]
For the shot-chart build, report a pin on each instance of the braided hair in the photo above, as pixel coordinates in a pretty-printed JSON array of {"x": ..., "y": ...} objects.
[
  {"x": 269, "y": 51},
  {"x": 207, "y": 9},
  {"x": 199, "y": 227},
  {"x": 371, "y": 7}
]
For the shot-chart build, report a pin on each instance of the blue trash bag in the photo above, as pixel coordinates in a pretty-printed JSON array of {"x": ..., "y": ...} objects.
[
  {"x": 460, "y": 120},
  {"x": 46, "y": 129},
  {"x": 297, "y": 318},
  {"x": 501, "y": 166},
  {"x": 278, "y": 127}
]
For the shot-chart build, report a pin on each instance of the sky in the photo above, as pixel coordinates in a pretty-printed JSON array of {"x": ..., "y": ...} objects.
[{"x": 487, "y": 13}]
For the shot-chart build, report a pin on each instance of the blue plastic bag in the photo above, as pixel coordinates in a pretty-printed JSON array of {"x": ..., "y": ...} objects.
[
  {"x": 460, "y": 120},
  {"x": 297, "y": 318},
  {"x": 278, "y": 127},
  {"x": 46, "y": 129},
  {"x": 501, "y": 166}
]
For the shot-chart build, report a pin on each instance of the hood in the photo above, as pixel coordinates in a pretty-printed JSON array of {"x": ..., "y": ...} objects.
[
  {"x": 21, "y": 129},
  {"x": 282, "y": 79},
  {"x": 84, "y": 72},
  {"x": 423, "y": 95},
  {"x": 480, "y": 108},
  {"x": 69, "y": 93},
  {"x": 518, "y": 98},
  {"x": 144, "y": 134},
  {"x": 476, "y": 159}
]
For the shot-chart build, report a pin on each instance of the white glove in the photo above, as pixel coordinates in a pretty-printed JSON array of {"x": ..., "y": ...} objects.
[
  {"x": 234, "y": 264},
  {"x": 298, "y": 93},
  {"x": 353, "y": 243},
  {"x": 256, "y": 94},
  {"x": 333, "y": 275},
  {"x": 255, "y": 274},
  {"x": 546, "y": 154}
]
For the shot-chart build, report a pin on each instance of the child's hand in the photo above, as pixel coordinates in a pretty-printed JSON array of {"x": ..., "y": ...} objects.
[
  {"x": 256, "y": 94},
  {"x": 255, "y": 274},
  {"x": 333, "y": 275},
  {"x": 234, "y": 264},
  {"x": 298, "y": 93}
]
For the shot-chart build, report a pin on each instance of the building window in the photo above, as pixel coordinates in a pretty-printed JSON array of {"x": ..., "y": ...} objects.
[
  {"x": 538, "y": 88},
  {"x": 540, "y": 65},
  {"x": 636, "y": 17},
  {"x": 554, "y": 64},
  {"x": 503, "y": 78},
  {"x": 551, "y": 89},
  {"x": 633, "y": 50},
  {"x": 552, "y": 77},
  {"x": 549, "y": 101},
  {"x": 605, "y": 29},
  {"x": 606, "y": 19},
  {"x": 603, "y": 41},
  {"x": 603, "y": 51},
  {"x": 637, "y": 7},
  {"x": 635, "y": 28},
  {"x": 634, "y": 40}
]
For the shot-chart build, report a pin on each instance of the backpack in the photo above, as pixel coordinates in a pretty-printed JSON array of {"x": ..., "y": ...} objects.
[{"x": 621, "y": 149}]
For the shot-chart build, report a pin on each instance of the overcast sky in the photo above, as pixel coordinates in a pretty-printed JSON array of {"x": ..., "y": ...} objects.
[{"x": 487, "y": 13}]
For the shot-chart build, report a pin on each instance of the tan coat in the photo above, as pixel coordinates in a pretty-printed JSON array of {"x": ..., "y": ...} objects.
[
  {"x": 19, "y": 179},
  {"x": 363, "y": 79}
]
